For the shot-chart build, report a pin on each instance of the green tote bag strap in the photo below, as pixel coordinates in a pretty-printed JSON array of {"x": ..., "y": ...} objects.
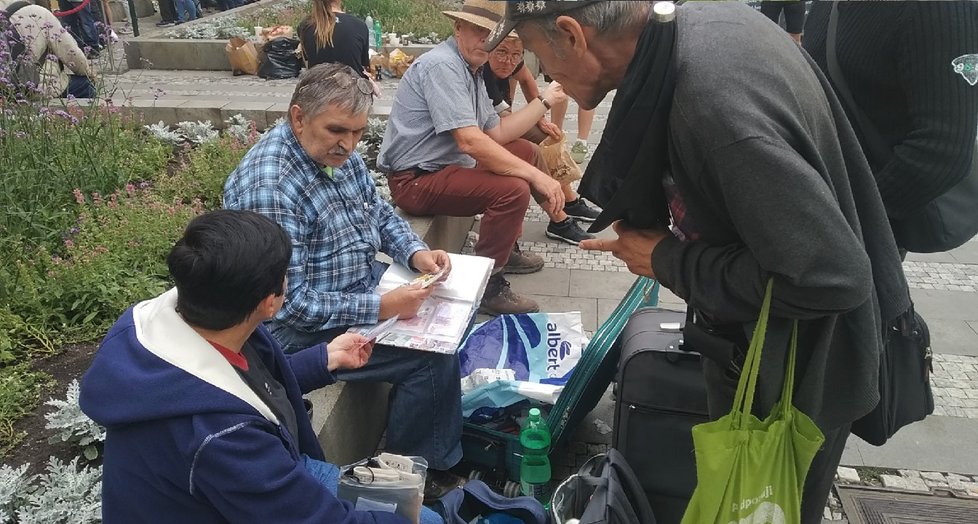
[{"x": 743, "y": 403}]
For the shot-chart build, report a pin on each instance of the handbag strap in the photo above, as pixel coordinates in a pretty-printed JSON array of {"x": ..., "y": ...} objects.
[
  {"x": 874, "y": 145},
  {"x": 788, "y": 389}
]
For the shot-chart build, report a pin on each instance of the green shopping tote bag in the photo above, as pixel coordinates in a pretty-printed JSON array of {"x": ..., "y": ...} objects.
[{"x": 751, "y": 471}]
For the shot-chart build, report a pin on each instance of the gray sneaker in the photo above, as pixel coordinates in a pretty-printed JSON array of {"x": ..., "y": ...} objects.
[
  {"x": 499, "y": 299},
  {"x": 568, "y": 231},
  {"x": 521, "y": 264}
]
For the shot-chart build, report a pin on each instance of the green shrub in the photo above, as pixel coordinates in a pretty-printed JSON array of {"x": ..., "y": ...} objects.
[
  {"x": 202, "y": 172},
  {"x": 116, "y": 256},
  {"x": 48, "y": 151},
  {"x": 406, "y": 16},
  {"x": 20, "y": 390}
]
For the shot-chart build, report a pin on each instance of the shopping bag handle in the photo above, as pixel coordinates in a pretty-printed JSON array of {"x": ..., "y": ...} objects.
[{"x": 743, "y": 404}]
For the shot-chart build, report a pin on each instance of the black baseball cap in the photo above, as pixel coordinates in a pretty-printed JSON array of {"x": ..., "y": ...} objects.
[{"x": 521, "y": 10}]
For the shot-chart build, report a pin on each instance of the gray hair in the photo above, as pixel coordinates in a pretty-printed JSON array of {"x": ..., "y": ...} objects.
[
  {"x": 332, "y": 84},
  {"x": 607, "y": 18}
]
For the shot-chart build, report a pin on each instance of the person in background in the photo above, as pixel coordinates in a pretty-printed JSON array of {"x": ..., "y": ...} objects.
[
  {"x": 585, "y": 117},
  {"x": 898, "y": 60},
  {"x": 721, "y": 171},
  {"x": 505, "y": 71},
  {"x": 794, "y": 16},
  {"x": 40, "y": 33},
  {"x": 203, "y": 412},
  {"x": 329, "y": 35}
]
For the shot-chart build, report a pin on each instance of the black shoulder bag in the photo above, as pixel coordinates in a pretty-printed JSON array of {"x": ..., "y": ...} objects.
[{"x": 944, "y": 223}]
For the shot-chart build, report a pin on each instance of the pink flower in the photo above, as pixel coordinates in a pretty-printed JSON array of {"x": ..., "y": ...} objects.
[
  {"x": 69, "y": 243},
  {"x": 130, "y": 189},
  {"x": 96, "y": 198},
  {"x": 79, "y": 197}
]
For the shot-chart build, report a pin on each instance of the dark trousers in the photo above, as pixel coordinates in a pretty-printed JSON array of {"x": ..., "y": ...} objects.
[
  {"x": 168, "y": 12},
  {"x": 82, "y": 24},
  {"x": 721, "y": 387},
  {"x": 79, "y": 87},
  {"x": 794, "y": 14}
]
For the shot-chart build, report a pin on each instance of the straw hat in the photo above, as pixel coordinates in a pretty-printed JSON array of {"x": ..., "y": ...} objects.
[{"x": 483, "y": 13}]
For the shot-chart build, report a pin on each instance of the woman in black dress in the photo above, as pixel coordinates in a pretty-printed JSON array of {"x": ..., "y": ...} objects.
[{"x": 330, "y": 35}]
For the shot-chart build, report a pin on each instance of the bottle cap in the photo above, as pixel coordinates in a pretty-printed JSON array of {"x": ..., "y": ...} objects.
[
  {"x": 535, "y": 412},
  {"x": 664, "y": 12}
]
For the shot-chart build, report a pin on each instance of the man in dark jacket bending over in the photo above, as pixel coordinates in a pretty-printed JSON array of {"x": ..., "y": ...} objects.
[{"x": 726, "y": 161}]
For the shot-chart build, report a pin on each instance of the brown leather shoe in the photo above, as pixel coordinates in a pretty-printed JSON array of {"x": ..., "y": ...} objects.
[
  {"x": 521, "y": 264},
  {"x": 499, "y": 299}
]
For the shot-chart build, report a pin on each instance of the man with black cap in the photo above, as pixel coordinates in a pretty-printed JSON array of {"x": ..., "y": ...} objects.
[
  {"x": 726, "y": 160},
  {"x": 447, "y": 152}
]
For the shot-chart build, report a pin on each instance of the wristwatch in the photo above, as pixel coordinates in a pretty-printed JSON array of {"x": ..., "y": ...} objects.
[{"x": 544, "y": 100}]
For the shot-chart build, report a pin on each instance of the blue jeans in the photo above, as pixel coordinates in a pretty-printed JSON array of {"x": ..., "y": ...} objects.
[
  {"x": 82, "y": 24},
  {"x": 185, "y": 6},
  {"x": 426, "y": 393},
  {"x": 329, "y": 476}
]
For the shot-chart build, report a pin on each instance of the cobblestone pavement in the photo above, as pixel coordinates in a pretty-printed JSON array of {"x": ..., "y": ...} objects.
[
  {"x": 942, "y": 276},
  {"x": 955, "y": 385}
]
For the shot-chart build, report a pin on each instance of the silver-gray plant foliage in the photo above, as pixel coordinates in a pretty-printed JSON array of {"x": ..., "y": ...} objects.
[
  {"x": 197, "y": 132},
  {"x": 64, "y": 494},
  {"x": 163, "y": 132},
  {"x": 15, "y": 484},
  {"x": 72, "y": 425}
]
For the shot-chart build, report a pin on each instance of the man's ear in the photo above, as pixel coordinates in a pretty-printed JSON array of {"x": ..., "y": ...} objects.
[
  {"x": 295, "y": 118},
  {"x": 268, "y": 307},
  {"x": 570, "y": 36}
]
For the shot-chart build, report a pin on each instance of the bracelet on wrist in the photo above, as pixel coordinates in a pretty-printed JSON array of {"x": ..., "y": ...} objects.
[{"x": 544, "y": 100}]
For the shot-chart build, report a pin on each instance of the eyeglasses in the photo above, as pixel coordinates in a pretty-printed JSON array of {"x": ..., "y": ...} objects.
[
  {"x": 503, "y": 56},
  {"x": 363, "y": 84}
]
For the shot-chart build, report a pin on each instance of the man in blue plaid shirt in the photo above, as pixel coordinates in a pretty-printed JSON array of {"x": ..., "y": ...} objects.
[{"x": 305, "y": 175}]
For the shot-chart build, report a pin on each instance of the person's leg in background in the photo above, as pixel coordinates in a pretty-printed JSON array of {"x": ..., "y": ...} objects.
[
  {"x": 585, "y": 118},
  {"x": 79, "y": 87},
  {"x": 794, "y": 20},
  {"x": 168, "y": 13},
  {"x": 794, "y": 16}
]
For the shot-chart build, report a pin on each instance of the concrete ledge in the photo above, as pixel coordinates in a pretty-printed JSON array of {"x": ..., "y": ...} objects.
[
  {"x": 171, "y": 53},
  {"x": 350, "y": 419}
]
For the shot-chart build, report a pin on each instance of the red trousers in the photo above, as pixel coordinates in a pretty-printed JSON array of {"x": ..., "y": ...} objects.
[{"x": 467, "y": 191}]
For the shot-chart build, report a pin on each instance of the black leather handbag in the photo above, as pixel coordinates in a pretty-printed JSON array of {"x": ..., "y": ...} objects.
[{"x": 904, "y": 383}]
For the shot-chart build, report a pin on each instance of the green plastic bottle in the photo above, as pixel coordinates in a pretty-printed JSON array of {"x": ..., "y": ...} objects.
[
  {"x": 378, "y": 35},
  {"x": 535, "y": 464}
]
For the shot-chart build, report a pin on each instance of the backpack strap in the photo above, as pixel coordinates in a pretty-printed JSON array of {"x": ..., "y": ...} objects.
[{"x": 16, "y": 6}]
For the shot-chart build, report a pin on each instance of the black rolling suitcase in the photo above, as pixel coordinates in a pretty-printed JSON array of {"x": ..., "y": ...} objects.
[{"x": 660, "y": 396}]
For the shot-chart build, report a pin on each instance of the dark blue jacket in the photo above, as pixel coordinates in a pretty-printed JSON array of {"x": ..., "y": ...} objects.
[{"x": 188, "y": 441}]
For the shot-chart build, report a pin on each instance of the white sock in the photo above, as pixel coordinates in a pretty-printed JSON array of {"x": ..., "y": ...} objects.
[{"x": 580, "y": 141}]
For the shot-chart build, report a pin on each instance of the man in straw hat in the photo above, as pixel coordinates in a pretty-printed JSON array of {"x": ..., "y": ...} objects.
[
  {"x": 446, "y": 152},
  {"x": 733, "y": 163}
]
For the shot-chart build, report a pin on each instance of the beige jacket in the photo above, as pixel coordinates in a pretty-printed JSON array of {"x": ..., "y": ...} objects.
[{"x": 42, "y": 32}]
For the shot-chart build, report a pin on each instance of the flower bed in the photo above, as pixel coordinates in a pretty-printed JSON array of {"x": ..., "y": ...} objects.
[{"x": 417, "y": 21}]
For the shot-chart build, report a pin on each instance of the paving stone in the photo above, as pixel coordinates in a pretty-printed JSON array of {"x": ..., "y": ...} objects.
[
  {"x": 971, "y": 488},
  {"x": 917, "y": 484},
  {"x": 849, "y": 475},
  {"x": 909, "y": 473},
  {"x": 893, "y": 481}
]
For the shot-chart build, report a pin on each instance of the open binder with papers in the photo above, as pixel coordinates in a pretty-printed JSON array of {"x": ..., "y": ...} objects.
[{"x": 443, "y": 318}]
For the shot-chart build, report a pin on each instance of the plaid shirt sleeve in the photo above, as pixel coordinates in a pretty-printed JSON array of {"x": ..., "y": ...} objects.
[{"x": 396, "y": 236}]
